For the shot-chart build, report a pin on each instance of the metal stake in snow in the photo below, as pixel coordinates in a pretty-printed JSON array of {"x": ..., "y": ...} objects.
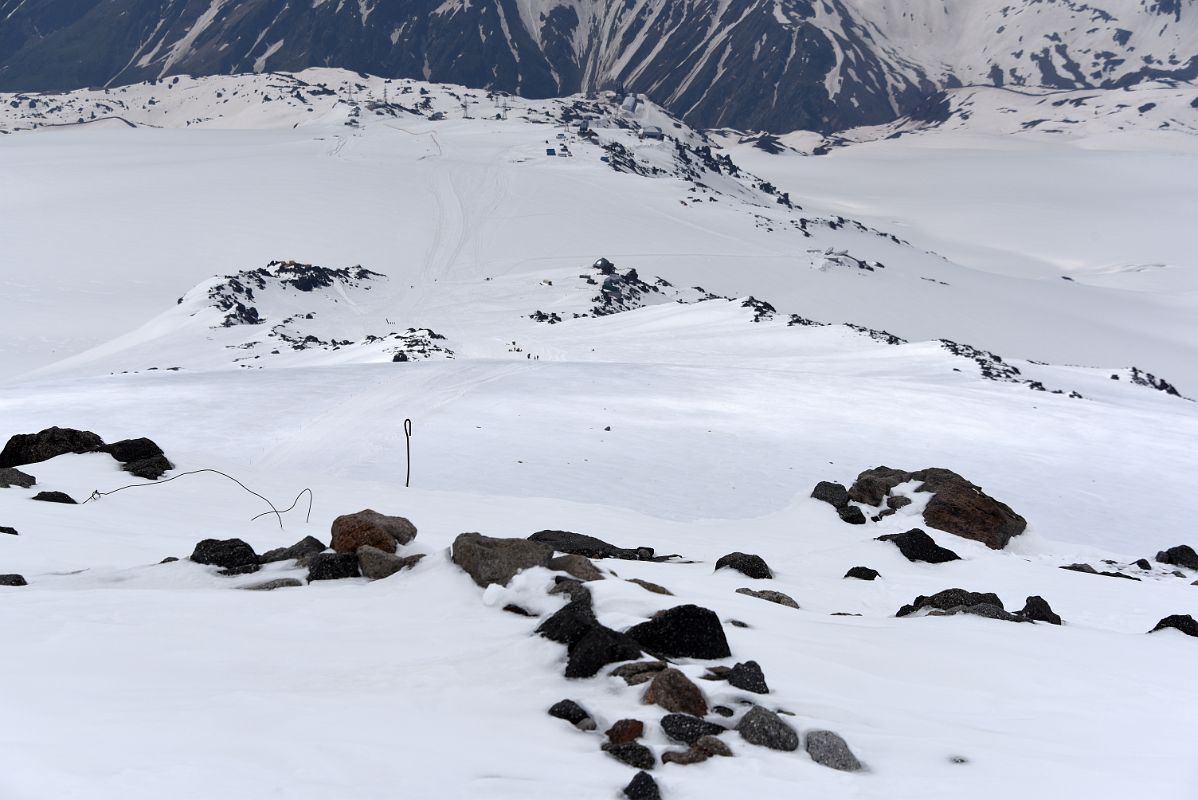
[{"x": 407, "y": 430}]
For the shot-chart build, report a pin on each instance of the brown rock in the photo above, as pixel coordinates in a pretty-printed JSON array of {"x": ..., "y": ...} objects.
[
  {"x": 578, "y": 566},
  {"x": 651, "y": 587},
  {"x": 962, "y": 508},
  {"x": 673, "y": 691},
  {"x": 351, "y": 531},
  {"x": 625, "y": 731},
  {"x": 769, "y": 594}
]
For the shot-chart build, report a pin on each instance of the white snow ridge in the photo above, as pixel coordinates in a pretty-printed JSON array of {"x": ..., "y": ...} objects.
[{"x": 691, "y": 464}]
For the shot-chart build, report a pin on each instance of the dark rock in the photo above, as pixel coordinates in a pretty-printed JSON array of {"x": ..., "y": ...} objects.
[
  {"x": 271, "y": 585},
  {"x": 625, "y": 730},
  {"x": 896, "y": 502},
  {"x": 512, "y": 608},
  {"x": 872, "y": 485},
  {"x": 950, "y": 598},
  {"x": 1181, "y": 556},
  {"x": 307, "y": 546},
  {"x": 651, "y": 587},
  {"x": 55, "y": 497},
  {"x": 1182, "y": 622},
  {"x": 10, "y": 476},
  {"x": 763, "y": 727},
  {"x": 488, "y": 560},
  {"x": 1037, "y": 609},
  {"x": 673, "y": 691},
  {"x": 168, "y": 560},
  {"x": 712, "y": 745},
  {"x": 832, "y": 493},
  {"x": 377, "y": 564},
  {"x": 578, "y": 566},
  {"x": 747, "y": 564},
  {"x": 736, "y": 623},
  {"x": 723, "y": 711},
  {"x": 642, "y": 787},
  {"x": 8, "y": 530},
  {"x": 597, "y": 648},
  {"x": 570, "y": 623},
  {"x": 682, "y": 757},
  {"x": 632, "y": 673},
  {"x": 351, "y": 531},
  {"x": 568, "y": 710},
  {"x": 767, "y": 594},
  {"x": 243, "y": 569},
  {"x": 31, "y": 448},
  {"x": 1144, "y": 563},
  {"x": 580, "y": 544},
  {"x": 687, "y": 729},
  {"x": 916, "y": 545},
  {"x": 1081, "y": 568},
  {"x": 128, "y": 450},
  {"x": 853, "y": 515},
  {"x": 717, "y": 673},
  {"x": 224, "y": 553},
  {"x": 748, "y": 677},
  {"x": 13, "y": 580},
  {"x": 987, "y": 610},
  {"x": 830, "y": 750},
  {"x": 150, "y": 469},
  {"x": 862, "y": 573},
  {"x": 333, "y": 566},
  {"x": 633, "y": 754},
  {"x": 962, "y": 508},
  {"x": 687, "y": 631},
  {"x": 572, "y": 588}
]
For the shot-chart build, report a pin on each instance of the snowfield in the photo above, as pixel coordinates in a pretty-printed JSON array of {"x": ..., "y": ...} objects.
[{"x": 645, "y": 341}]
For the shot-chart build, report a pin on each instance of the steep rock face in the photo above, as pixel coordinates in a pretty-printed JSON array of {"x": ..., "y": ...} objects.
[{"x": 752, "y": 64}]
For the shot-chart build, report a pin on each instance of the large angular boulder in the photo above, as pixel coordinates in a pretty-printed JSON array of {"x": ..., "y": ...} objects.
[
  {"x": 489, "y": 560},
  {"x": 1181, "y": 622},
  {"x": 1181, "y": 556},
  {"x": 1037, "y": 609},
  {"x": 31, "y": 448},
  {"x": 834, "y": 494},
  {"x": 10, "y": 476},
  {"x": 590, "y": 646},
  {"x": 962, "y": 508},
  {"x": 580, "y": 544},
  {"x": 948, "y": 599},
  {"x": 747, "y": 564},
  {"x": 764, "y": 728},
  {"x": 351, "y": 531},
  {"x": 916, "y": 545},
  {"x": 225, "y": 553},
  {"x": 675, "y": 692},
  {"x": 830, "y": 750},
  {"x": 687, "y": 631},
  {"x": 128, "y": 450}
]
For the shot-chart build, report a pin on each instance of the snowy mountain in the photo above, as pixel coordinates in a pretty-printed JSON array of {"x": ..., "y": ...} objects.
[{"x": 774, "y": 65}]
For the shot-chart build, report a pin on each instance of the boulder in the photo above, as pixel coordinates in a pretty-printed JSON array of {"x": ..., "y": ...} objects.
[
  {"x": 1182, "y": 622},
  {"x": 579, "y": 544},
  {"x": 638, "y": 672},
  {"x": 872, "y": 485},
  {"x": 770, "y": 595},
  {"x": 31, "y": 448},
  {"x": 11, "y": 476},
  {"x": 687, "y": 729},
  {"x": 852, "y": 515},
  {"x": 895, "y": 502},
  {"x": 712, "y": 745},
  {"x": 1037, "y": 609},
  {"x": 747, "y": 564},
  {"x": 862, "y": 573},
  {"x": 151, "y": 469},
  {"x": 683, "y": 757},
  {"x": 8, "y": 530},
  {"x": 13, "y": 580},
  {"x": 55, "y": 497},
  {"x": 1143, "y": 563},
  {"x": 578, "y": 566},
  {"x": 834, "y": 494},
  {"x": 633, "y": 754},
  {"x": 687, "y": 631},
  {"x": 673, "y": 691},
  {"x": 625, "y": 730},
  {"x": 351, "y": 531},
  {"x": 916, "y": 545},
  {"x": 748, "y": 677},
  {"x": 226, "y": 553},
  {"x": 333, "y": 566},
  {"x": 569, "y": 623},
  {"x": 568, "y": 710},
  {"x": 642, "y": 787},
  {"x": 271, "y": 585},
  {"x": 572, "y": 588},
  {"x": 764, "y": 728},
  {"x": 830, "y": 750},
  {"x": 949, "y": 598},
  {"x": 128, "y": 450},
  {"x": 377, "y": 564},
  {"x": 987, "y": 610},
  {"x": 596, "y": 649},
  {"x": 307, "y": 546},
  {"x": 963, "y": 509},
  {"x": 651, "y": 587},
  {"x": 488, "y": 560},
  {"x": 1181, "y": 556},
  {"x": 243, "y": 569}
]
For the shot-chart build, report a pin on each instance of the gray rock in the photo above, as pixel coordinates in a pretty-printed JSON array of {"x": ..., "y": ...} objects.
[
  {"x": 11, "y": 476},
  {"x": 747, "y": 564},
  {"x": 638, "y": 671},
  {"x": 830, "y": 750},
  {"x": 307, "y": 546},
  {"x": 578, "y": 566},
  {"x": 271, "y": 585},
  {"x": 770, "y": 595},
  {"x": 832, "y": 493},
  {"x": 13, "y": 580},
  {"x": 572, "y": 588},
  {"x": 948, "y": 599},
  {"x": 873, "y": 485},
  {"x": 712, "y": 745},
  {"x": 764, "y": 728},
  {"x": 377, "y": 564},
  {"x": 651, "y": 587},
  {"x": 987, "y": 610},
  {"x": 488, "y": 560},
  {"x": 580, "y": 544}
]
